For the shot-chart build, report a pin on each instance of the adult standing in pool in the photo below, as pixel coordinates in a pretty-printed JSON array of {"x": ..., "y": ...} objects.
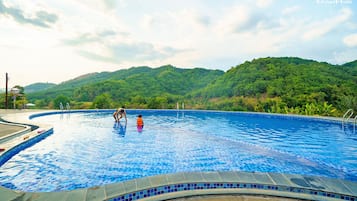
[{"x": 120, "y": 113}]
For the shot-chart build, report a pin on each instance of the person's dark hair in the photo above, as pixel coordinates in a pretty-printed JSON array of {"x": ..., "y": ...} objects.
[{"x": 139, "y": 115}]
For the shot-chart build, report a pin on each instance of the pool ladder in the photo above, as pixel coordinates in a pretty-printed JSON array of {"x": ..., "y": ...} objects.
[
  {"x": 347, "y": 116},
  {"x": 62, "y": 108}
]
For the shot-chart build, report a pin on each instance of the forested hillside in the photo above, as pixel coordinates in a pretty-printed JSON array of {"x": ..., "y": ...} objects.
[
  {"x": 141, "y": 87},
  {"x": 281, "y": 85},
  {"x": 285, "y": 85},
  {"x": 38, "y": 87}
]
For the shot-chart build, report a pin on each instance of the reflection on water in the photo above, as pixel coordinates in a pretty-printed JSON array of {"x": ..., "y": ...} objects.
[
  {"x": 65, "y": 115},
  {"x": 348, "y": 128},
  {"x": 180, "y": 115},
  {"x": 120, "y": 128}
]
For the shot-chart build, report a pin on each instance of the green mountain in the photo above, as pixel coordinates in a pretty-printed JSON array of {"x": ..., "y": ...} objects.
[
  {"x": 287, "y": 83},
  {"x": 145, "y": 82},
  {"x": 40, "y": 86},
  {"x": 283, "y": 85},
  {"x": 352, "y": 65},
  {"x": 136, "y": 82},
  {"x": 283, "y": 77}
]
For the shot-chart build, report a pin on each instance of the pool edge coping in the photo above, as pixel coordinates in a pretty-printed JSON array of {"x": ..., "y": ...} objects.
[{"x": 188, "y": 184}]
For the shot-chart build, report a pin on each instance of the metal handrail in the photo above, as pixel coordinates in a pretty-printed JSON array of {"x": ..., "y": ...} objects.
[{"x": 344, "y": 118}]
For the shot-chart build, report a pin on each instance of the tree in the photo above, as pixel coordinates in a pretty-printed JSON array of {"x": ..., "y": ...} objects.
[
  {"x": 159, "y": 102},
  {"x": 2, "y": 100},
  {"x": 60, "y": 99},
  {"x": 102, "y": 101}
]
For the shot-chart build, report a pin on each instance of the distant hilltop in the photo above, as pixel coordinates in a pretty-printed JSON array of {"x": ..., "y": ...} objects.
[{"x": 38, "y": 87}]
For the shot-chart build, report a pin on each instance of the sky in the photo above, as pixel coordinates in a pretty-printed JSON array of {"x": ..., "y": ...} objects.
[{"x": 55, "y": 41}]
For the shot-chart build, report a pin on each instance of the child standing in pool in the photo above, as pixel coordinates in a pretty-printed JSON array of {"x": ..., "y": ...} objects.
[{"x": 140, "y": 123}]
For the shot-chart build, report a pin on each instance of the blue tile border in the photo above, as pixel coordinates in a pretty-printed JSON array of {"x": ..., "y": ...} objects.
[{"x": 181, "y": 187}]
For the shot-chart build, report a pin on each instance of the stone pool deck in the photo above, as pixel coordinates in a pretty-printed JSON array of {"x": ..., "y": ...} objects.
[
  {"x": 184, "y": 186},
  {"x": 6, "y": 129}
]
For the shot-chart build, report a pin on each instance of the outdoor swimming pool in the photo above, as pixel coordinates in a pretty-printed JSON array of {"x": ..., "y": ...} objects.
[{"x": 89, "y": 149}]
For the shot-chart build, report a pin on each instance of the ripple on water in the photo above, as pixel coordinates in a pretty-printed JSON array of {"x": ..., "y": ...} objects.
[{"x": 90, "y": 149}]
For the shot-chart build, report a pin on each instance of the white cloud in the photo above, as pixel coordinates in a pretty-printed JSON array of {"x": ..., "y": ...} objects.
[
  {"x": 110, "y": 4},
  {"x": 291, "y": 10},
  {"x": 135, "y": 52},
  {"x": 264, "y": 3},
  {"x": 235, "y": 19},
  {"x": 320, "y": 28},
  {"x": 344, "y": 56},
  {"x": 175, "y": 23},
  {"x": 351, "y": 40},
  {"x": 39, "y": 18},
  {"x": 102, "y": 5},
  {"x": 243, "y": 30}
]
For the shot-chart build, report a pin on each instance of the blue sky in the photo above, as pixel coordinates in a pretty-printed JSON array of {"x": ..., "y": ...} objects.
[{"x": 54, "y": 41}]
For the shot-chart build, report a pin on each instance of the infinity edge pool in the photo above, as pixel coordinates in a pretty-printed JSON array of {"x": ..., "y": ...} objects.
[{"x": 178, "y": 185}]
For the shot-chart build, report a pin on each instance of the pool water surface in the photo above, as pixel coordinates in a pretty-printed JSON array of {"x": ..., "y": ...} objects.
[{"x": 89, "y": 149}]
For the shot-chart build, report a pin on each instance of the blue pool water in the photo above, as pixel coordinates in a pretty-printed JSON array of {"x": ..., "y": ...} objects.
[{"x": 89, "y": 148}]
